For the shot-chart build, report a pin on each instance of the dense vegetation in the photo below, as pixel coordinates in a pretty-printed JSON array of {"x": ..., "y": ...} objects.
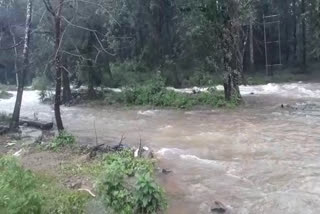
[
  {"x": 155, "y": 93},
  {"x": 22, "y": 191},
  {"x": 124, "y": 184}
]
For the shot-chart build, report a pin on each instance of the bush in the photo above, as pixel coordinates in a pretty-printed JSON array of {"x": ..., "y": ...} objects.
[
  {"x": 149, "y": 196},
  {"x": 5, "y": 95},
  {"x": 128, "y": 185},
  {"x": 23, "y": 192},
  {"x": 155, "y": 93},
  {"x": 62, "y": 140},
  {"x": 17, "y": 189},
  {"x": 126, "y": 73},
  {"x": 41, "y": 83}
]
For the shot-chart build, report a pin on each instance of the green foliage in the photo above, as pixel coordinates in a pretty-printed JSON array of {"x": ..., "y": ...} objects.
[
  {"x": 62, "y": 140},
  {"x": 126, "y": 73},
  {"x": 41, "y": 83},
  {"x": 23, "y": 192},
  {"x": 149, "y": 196},
  {"x": 5, "y": 95},
  {"x": 128, "y": 186},
  {"x": 18, "y": 193},
  {"x": 155, "y": 93}
]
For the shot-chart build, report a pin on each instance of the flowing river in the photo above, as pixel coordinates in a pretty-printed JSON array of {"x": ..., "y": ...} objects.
[{"x": 258, "y": 158}]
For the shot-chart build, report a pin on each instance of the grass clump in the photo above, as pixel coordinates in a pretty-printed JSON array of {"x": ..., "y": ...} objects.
[
  {"x": 62, "y": 140},
  {"x": 23, "y": 192},
  {"x": 155, "y": 93},
  {"x": 127, "y": 185}
]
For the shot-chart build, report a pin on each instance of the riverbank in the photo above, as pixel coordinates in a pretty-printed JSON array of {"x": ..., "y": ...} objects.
[{"x": 67, "y": 179}]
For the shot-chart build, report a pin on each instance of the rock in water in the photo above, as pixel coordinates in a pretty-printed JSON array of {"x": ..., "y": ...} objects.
[{"x": 219, "y": 208}]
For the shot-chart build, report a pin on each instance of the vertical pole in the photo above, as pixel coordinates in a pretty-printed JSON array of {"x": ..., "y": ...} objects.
[
  {"x": 279, "y": 29},
  {"x": 265, "y": 44}
]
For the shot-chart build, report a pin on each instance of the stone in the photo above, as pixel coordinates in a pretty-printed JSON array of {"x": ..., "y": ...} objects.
[{"x": 219, "y": 208}]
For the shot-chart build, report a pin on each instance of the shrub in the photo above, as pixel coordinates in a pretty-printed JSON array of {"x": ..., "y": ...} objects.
[
  {"x": 126, "y": 73},
  {"x": 155, "y": 93},
  {"x": 5, "y": 95},
  {"x": 62, "y": 140},
  {"x": 128, "y": 185},
  {"x": 149, "y": 196},
  {"x": 23, "y": 192},
  {"x": 41, "y": 83},
  {"x": 17, "y": 189}
]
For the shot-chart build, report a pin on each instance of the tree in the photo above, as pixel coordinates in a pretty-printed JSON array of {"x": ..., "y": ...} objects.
[
  {"x": 303, "y": 32},
  {"x": 22, "y": 73},
  {"x": 56, "y": 13}
]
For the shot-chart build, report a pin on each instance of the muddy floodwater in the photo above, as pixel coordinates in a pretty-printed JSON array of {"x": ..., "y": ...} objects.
[{"x": 258, "y": 158}]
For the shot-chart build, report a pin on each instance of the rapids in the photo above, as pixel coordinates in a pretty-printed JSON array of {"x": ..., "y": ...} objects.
[{"x": 258, "y": 158}]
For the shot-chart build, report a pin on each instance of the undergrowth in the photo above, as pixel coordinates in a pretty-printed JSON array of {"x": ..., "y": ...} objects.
[
  {"x": 62, "y": 140},
  {"x": 23, "y": 192},
  {"x": 125, "y": 184},
  {"x": 5, "y": 95},
  {"x": 155, "y": 93},
  {"x": 128, "y": 185}
]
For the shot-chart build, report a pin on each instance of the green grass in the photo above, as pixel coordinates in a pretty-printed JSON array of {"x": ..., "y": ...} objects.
[{"x": 24, "y": 192}]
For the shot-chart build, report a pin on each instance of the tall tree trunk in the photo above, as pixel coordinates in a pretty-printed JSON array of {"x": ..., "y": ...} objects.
[
  {"x": 91, "y": 92},
  {"x": 66, "y": 93},
  {"x": 15, "y": 57},
  {"x": 294, "y": 5},
  {"x": 303, "y": 25},
  {"x": 252, "y": 65},
  {"x": 286, "y": 25},
  {"x": 57, "y": 102},
  {"x": 22, "y": 74}
]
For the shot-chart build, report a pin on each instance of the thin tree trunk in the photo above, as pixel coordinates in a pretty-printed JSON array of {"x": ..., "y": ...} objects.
[
  {"x": 57, "y": 102},
  {"x": 294, "y": 4},
  {"x": 252, "y": 67},
  {"x": 304, "y": 47},
  {"x": 22, "y": 74},
  {"x": 286, "y": 22},
  {"x": 15, "y": 56},
  {"x": 66, "y": 94}
]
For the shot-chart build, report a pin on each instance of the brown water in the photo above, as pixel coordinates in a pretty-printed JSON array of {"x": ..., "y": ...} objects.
[{"x": 259, "y": 158}]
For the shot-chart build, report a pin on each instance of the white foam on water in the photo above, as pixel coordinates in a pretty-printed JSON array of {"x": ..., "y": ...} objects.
[
  {"x": 294, "y": 90},
  {"x": 148, "y": 112},
  {"x": 169, "y": 151},
  {"x": 196, "y": 158}
]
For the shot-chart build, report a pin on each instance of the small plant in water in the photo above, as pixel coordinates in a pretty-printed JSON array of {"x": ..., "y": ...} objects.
[{"x": 62, "y": 140}]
